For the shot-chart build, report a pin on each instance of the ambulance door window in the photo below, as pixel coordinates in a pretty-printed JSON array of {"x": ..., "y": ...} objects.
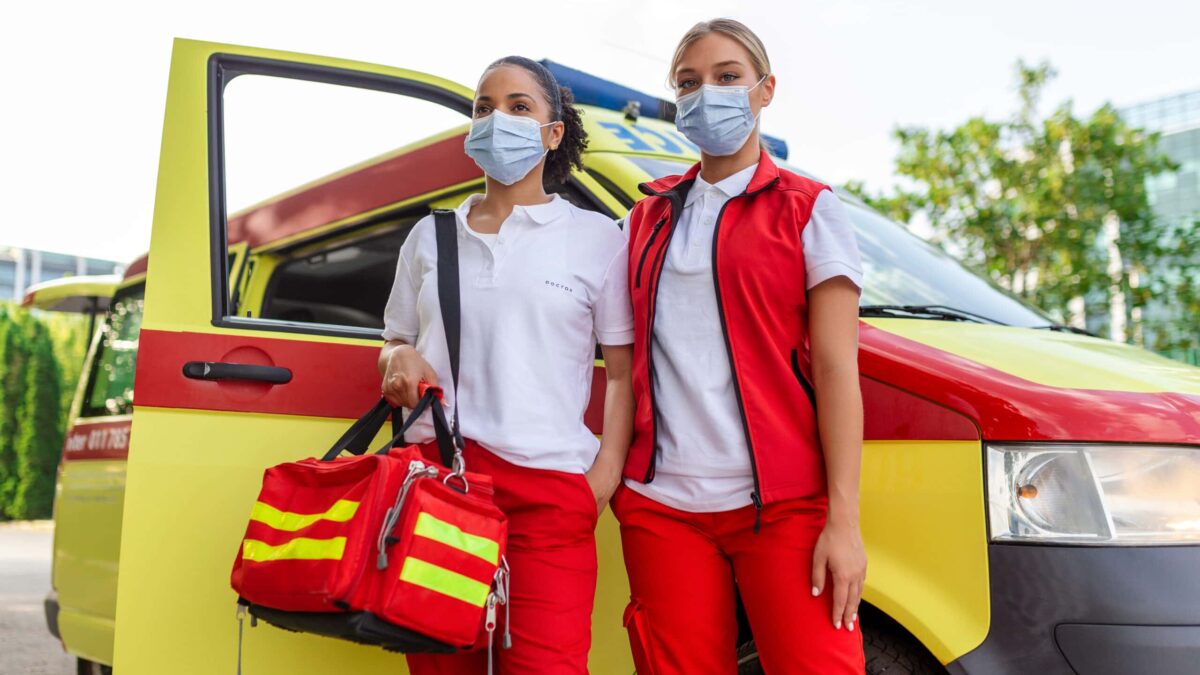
[{"x": 313, "y": 154}]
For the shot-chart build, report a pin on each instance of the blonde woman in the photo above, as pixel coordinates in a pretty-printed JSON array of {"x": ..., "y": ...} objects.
[{"x": 743, "y": 473}]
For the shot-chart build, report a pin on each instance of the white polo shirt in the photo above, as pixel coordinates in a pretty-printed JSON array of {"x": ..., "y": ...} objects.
[
  {"x": 705, "y": 463},
  {"x": 536, "y": 298}
]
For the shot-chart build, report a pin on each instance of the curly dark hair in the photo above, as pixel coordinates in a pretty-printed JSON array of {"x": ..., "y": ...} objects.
[{"x": 569, "y": 152}]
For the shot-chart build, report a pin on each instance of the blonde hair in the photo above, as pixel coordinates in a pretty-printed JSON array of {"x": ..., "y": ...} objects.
[{"x": 728, "y": 27}]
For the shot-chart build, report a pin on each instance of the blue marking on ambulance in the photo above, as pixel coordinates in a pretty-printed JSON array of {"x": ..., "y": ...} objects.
[
  {"x": 627, "y": 136},
  {"x": 667, "y": 144}
]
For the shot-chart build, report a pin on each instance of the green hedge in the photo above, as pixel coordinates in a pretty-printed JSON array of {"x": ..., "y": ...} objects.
[{"x": 40, "y": 361}]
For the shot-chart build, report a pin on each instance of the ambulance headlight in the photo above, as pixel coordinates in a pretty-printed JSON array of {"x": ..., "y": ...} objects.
[{"x": 1094, "y": 494}]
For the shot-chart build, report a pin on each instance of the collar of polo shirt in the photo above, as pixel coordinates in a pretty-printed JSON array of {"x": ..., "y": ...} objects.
[
  {"x": 538, "y": 213},
  {"x": 732, "y": 185}
]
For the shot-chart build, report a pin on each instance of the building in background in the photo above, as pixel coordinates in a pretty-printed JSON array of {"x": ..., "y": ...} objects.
[
  {"x": 1175, "y": 198},
  {"x": 21, "y": 268}
]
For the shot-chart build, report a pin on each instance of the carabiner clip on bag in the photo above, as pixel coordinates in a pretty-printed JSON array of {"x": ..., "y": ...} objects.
[{"x": 499, "y": 595}]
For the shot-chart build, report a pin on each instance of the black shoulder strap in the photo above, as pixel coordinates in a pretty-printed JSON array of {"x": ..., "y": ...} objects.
[{"x": 446, "y": 225}]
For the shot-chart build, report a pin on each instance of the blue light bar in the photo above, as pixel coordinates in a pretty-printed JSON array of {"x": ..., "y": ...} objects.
[{"x": 591, "y": 90}]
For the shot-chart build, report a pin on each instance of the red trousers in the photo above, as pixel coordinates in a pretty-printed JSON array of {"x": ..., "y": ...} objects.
[
  {"x": 685, "y": 568},
  {"x": 552, "y": 553}
]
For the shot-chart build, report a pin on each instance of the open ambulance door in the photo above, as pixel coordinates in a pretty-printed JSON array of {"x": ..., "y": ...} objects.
[{"x": 258, "y": 147}]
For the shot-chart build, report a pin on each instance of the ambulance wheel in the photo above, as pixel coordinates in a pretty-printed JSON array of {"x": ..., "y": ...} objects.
[
  {"x": 85, "y": 667},
  {"x": 888, "y": 652},
  {"x": 747, "y": 659},
  {"x": 892, "y": 651}
]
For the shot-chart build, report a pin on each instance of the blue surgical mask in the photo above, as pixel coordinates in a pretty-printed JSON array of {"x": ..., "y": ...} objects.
[
  {"x": 717, "y": 118},
  {"x": 506, "y": 147}
]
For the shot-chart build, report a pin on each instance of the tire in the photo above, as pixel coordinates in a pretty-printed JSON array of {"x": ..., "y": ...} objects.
[
  {"x": 888, "y": 652},
  {"x": 747, "y": 659},
  {"x": 85, "y": 667},
  {"x": 892, "y": 652}
]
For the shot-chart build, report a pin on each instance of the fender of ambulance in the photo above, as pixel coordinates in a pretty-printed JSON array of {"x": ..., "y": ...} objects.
[{"x": 933, "y": 393}]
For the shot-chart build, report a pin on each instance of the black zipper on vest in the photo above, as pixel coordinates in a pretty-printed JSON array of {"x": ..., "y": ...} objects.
[
  {"x": 637, "y": 283},
  {"x": 755, "y": 496},
  {"x": 659, "y": 262},
  {"x": 808, "y": 388}
]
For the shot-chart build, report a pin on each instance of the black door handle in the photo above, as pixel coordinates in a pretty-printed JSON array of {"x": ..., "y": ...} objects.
[{"x": 216, "y": 370}]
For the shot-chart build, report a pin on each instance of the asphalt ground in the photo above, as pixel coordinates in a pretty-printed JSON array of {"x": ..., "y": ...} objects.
[{"x": 26, "y": 646}]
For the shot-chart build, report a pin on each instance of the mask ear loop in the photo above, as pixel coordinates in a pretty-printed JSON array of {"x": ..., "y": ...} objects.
[
  {"x": 547, "y": 150},
  {"x": 759, "y": 113}
]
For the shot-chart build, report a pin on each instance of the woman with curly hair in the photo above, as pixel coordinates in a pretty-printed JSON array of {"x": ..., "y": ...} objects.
[{"x": 541, "y": 283}]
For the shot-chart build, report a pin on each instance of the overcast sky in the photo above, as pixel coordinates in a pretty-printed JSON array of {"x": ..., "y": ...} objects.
[{"x": 85, "y": 83}]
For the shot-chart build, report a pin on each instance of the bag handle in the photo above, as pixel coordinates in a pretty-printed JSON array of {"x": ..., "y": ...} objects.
[
  {"x": 359, "y": 435},
  {"x": 431, "y": 397},
  {"x": 446, "y": 226}
]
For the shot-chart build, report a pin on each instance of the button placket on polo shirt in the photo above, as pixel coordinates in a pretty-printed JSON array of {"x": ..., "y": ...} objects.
[
  {"x": 697, "y": 243},
  {"x": 495, "y": 254},
  {"x": 487, "y": 272}
]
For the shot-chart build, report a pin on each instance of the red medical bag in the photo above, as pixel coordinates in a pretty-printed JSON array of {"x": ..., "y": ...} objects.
[{"x": 384, "y": 548}]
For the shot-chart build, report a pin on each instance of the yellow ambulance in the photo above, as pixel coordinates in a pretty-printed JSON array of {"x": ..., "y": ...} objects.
[{"x": 1028, "y": 492}]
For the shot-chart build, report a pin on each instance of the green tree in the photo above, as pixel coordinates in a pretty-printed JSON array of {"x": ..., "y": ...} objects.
[
  {"x": 1051, "y": 207},
  {"x": 40, "y": 428},
  {"x": 14, "y": 354}
]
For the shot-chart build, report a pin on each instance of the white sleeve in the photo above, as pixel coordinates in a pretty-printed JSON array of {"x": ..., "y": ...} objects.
[
  {"x": 830, "y": 245},
  {"x": 612, "y": 313},
  {"x": 400, "y": 319}
]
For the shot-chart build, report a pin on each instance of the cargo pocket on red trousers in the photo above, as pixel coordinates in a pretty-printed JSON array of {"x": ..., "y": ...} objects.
[{"x": 639, "y": 638}]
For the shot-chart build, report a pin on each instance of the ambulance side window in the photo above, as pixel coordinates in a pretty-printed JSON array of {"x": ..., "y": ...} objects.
[
  {"x": 321, "y": 173},
  {"x": 346, "y": 284},
  {"x": 109, "y": 389}
]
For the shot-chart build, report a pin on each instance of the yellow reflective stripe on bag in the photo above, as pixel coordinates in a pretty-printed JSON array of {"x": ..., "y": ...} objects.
[
  {"x": 444, "y": 581},
  {"x": 300, "y": 548},
  {"x": 451, "y": 535},
  {"x": 341, "y": 511}
]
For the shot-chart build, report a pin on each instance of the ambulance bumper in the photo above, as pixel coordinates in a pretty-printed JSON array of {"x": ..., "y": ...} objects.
[{"x": 1090, "y": 611}]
